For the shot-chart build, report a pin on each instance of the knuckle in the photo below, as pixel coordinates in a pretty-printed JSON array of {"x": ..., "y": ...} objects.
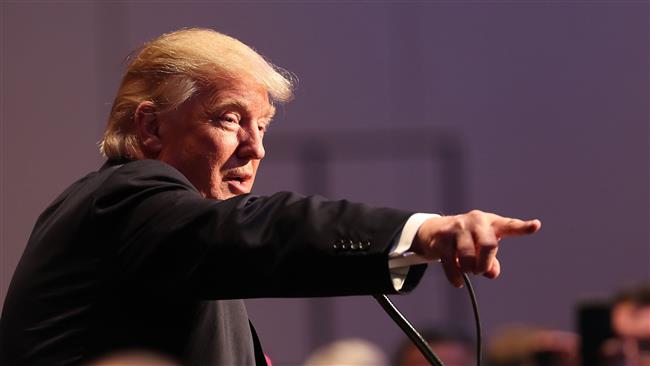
[
  {"x": 489, "y": 245},
  {"x": 476, "y": 213},
  {"x": 459, "y": 225},
  {"x": 478, "y": 218}
]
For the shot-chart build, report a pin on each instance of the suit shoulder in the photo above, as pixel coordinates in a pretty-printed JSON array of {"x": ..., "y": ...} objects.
[
  {"x": 142, "y": 173},
  {"x": 138, "y": 180}
]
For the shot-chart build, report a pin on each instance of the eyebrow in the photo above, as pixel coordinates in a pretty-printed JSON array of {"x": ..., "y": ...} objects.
[{"x": 238, "y": 104}]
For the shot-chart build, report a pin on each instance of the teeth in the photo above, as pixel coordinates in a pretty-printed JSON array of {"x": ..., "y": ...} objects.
[{"x": 239, "y": 179}]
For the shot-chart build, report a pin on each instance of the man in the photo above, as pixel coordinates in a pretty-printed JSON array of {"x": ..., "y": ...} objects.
[{"x": 152, "y": 253}]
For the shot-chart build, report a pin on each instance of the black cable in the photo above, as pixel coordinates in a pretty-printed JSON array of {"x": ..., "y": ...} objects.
[
  {"x": 411, "y": 332},
  {"x": 417, "y": 339},
  {"x": 477, "y": 319}
]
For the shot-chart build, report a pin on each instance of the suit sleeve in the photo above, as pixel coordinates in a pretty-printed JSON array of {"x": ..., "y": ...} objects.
[{"x": 163, "y": 237}]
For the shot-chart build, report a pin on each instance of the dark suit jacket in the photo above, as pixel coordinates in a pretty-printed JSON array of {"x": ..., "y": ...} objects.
[{"x": 132, "y": 257}]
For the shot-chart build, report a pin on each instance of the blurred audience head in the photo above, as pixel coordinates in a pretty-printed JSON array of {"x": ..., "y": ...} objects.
[
  {"x": 348, "y": 352},
  {"x": 630, "y": 317},
  {"x": 631, "y": 313},
  {"x": 451, "y": 345},
  {"x": 523, "y": 345}
]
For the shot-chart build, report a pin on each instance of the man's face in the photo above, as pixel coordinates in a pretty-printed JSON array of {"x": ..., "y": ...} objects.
[{"x": 215, "y": 139}]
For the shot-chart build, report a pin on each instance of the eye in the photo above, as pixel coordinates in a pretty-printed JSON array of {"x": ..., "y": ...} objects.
[{"x": 230, "y": 117}]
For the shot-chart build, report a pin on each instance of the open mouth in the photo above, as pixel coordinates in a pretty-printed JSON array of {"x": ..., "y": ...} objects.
[
  {"x": 238, "y": 184},
  {"x": 238, "y": 178}
]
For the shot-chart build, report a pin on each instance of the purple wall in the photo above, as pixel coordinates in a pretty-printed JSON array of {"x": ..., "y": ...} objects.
[{"x": 551, "y": 102}]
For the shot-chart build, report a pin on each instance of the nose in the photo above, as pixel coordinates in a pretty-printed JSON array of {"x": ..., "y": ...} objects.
[{"x": 251, "y": 145}]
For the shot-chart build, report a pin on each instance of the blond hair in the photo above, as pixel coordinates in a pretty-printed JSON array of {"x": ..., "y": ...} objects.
[{"x": 175, "y": 66}]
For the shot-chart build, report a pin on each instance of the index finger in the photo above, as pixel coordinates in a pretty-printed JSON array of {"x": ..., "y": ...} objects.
[{"x": 505, "y": 226}]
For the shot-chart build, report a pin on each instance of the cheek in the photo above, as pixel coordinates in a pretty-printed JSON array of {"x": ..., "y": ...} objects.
[
  {"x": 199, "y": 155},
  {"x": 210, "y": 145},
  {"x": 222, "y": 145}
]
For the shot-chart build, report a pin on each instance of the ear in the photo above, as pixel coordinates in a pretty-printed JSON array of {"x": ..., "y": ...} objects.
[{"x": 147, "y": 128}]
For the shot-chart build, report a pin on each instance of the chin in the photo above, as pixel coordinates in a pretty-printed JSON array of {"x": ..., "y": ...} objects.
[
  {"x": 221, "y": 194},
  {"x": 225, "y": 192}
]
